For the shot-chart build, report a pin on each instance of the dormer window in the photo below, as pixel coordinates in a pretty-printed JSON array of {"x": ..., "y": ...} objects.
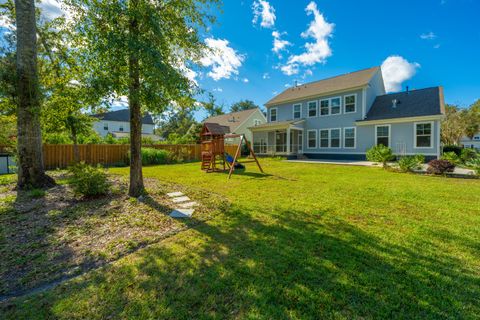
[
  {"x": 297, "y": 111},
  {"x": 351, "y": 103}
]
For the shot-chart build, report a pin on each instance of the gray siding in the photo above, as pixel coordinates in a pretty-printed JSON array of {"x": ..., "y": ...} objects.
[{"x": 243, "y": 129}]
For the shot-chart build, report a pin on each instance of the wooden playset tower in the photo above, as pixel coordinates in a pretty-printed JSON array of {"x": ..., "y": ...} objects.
[{"x": 213, "y": 147}]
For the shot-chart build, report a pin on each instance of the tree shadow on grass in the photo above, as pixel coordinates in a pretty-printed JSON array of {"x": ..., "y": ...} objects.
[{"x": 279, "y": 268}]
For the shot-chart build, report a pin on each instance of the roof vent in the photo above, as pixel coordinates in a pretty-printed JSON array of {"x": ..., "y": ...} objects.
[{"x": 394, "y": 103}]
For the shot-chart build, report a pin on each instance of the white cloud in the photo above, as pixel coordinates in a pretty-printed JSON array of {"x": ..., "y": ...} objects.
[
  {"x": 218, "y": 90},
  {"x": 396, "y": 70},
  {"x": 278, "y": 43},
  {"x": 428, "y": 36},
  {"x": 265, "y": 76},
  {"x": 437, "y": 46},
  {"x": 223, "y": 59},
  {"x": 51, "y": 9},
  {"x": 264, "y": 10},
  {"x": 245, "y": 80},
  {"x": 315, "y": 52}
]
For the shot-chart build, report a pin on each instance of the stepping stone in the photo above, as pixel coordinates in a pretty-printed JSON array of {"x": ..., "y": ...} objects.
[
  {"x": 180, "y": 199},
  {"x": 182, "y": 213},
  {"x": 188, "y": 204},
  {"x": 175, "y": 194}
]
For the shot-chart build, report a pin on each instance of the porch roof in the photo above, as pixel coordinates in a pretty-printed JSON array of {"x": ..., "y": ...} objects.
[{"x": 292, "y": 124}]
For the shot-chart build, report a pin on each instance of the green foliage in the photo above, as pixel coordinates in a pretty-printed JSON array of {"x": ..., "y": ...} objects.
[
  {"x": 88, "y": 181},
  {"x": 155, "y": 156},
  {"x": 439, "y": 167},
  {"x": 468, "y": 154},
  {"x": 475, "y": 165},
  {"x": 8, "y": 130},
  {"x": 451, "y": 157},
  {"x": 243, "y": 105},
  {"x": 36, "y": 193},
  {"x": 380, "y": 153},
  {"x": 453, "y": 148},
  {"x": 211, "y": 106},
  {"x": 56, "y": 138},
  {"x": 410, "y": 163}
]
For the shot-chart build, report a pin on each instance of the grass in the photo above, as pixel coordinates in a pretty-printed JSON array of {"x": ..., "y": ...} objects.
[{"x": 306, "y": 241}]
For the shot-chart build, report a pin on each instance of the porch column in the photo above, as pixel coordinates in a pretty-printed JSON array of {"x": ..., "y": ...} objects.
[{"x": 288, "y": 140}]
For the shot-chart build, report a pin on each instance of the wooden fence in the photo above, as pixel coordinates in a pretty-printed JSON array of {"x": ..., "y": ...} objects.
[{"x": 61, "y": 155}]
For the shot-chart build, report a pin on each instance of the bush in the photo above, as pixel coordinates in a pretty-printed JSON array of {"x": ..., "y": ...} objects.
[
  {"x": 411, "y": 163},
  {"x": 475, "y": 165},
  {"x": 468, "y": 155},
  {"x": 88, "y": 181},
  {"x": 440, "y": 167},
  {"x": 451, "y": 157},
  {"x": 381, "y": 154},
  {"x": 456, "y": 149},
  {"x": 155, "y": 156}
]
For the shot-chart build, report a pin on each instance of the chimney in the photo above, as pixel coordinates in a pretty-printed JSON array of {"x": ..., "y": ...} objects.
[{"x": 407, "y": 90}]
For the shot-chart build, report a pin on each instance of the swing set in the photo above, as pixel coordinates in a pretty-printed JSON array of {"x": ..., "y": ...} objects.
[{"x": 214, "y": 157}]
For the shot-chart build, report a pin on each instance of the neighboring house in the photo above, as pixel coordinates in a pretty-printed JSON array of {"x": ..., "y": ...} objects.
[
  {"x": 344, "y": 116},
  {"x": 239, "y": 122},
  {"x": 117, "y": 123},
  {"x": 474, "y": 143}
]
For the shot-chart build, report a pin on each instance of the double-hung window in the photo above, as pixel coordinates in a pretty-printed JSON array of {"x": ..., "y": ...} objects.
[
  {"x": 334, "y": 138},
  {"x": 105, "y": 126},
  {"x": 335, "y": 105},
  {"x": 324, "y": 138},
  {"x": 350, "y": 103},
  {"x": 349, "y": 135},
  {"x": 382, "y": 134},
  {"x": 312, "y": 139},
  {"x": 324, "y": 107},
  {"x": 273, "y": 114},
  {"x": 297, "y": 111},
  {"x": 423, "y": 135},
  {"x": 120, "y": 129},
  {"x": 312, "y": 109}
]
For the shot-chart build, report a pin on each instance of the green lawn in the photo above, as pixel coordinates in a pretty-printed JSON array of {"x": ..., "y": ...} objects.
[{"x": 308, "y": 241}]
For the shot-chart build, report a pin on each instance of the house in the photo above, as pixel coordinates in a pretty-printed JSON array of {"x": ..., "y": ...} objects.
[
  {"x": 239, "y": 122},
  {"x": 474, "y": 143},
  {"x": 117, "y": 123},
  {"x": 344, "y": 116}
]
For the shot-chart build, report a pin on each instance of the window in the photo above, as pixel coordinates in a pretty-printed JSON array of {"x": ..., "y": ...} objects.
[
  {"x": 349, "y": 137},
  {"x": 257, "y": 122},
  {"x": 312, "y": 109},
  {"x": 324, "y": 138},
  {"x": 350, "y": 103},
  {"x": 382, "y": 135},
  {"x": 105, "y": 126},
  {"x": 335, "y": 105},
  {"x": 297, "y": 111},
  {"x": 120, "y": 129},
  {"x": 334, "y": 138},
  {"x": 324, "y": 107},
  {"x": 273, "y": 114},
  {"x": 423, "y": 135},
  {"x": 312, "y": 139}
]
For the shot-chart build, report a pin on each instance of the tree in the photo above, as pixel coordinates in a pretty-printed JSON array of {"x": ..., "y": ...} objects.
[
  {"x": 142, "y": 49},
  {"x": 178, "y": 122},
  {"x": 472, "y": 120},
  {"x": 243, "y": 105},
  {"x": 31, "y": 171},
  {"x": 211, "y": 106},
  {"x": 452, "y": 126}
]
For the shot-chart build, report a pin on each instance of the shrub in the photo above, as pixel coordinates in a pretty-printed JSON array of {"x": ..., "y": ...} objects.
[
  {"x": 381, "y": 154},
  {"x": 456, "y": 149},
  {"x": 155, "y": 156},
  {"x": 411, "y": 163},
  {"x": 468, "y": 155},
  {"x": 451, "y": 157},
  {"x": 440, "y": 166},
  {"x": 88, "y": 181},
  {"x": 475, "y": 165}
]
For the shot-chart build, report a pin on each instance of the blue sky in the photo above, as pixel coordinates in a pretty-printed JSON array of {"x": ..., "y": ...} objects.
[{"x": 435, "y": 43}]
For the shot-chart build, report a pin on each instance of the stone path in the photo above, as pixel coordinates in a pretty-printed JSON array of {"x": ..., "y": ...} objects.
[{"x": 186, "y": 207}]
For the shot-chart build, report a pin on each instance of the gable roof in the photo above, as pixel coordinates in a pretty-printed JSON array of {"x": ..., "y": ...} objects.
[
  {"x": 122, "y": 116},
  {"x": 414, "y": 103},
  {"x": 232, "y": 120},
  {"x": 343, "y": 82},
  {"x": 216, "y": 129}
]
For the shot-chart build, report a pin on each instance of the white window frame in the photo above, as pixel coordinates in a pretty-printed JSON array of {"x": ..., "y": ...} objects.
[
  {"x": 308, "y": 139},
  {"x": 320, "y": 108},
  {"x": 330, "y": 106},
  {"x": 389, "y": 134},
  {"x": 354, "y": 137},
  {"x": 270, "y": 114},
  {"x": 339, "y": 138},
  {"x": 293, "y": 111},
  {"x": 120, "y": 128},
  {"x": 320, "y": 138},
  {"x": 345, "y": 104},
  {"x": 257, "y": 122},
  {"x": 316, "y": 109},
  {"x": 415, "y": 134}
]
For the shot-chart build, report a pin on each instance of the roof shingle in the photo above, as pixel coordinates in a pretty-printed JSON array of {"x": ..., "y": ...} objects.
[
  {"x": 122, "y": 116},
  {"x": 232, "y": 120}
]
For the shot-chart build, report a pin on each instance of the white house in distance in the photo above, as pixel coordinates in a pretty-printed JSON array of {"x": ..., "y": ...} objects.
[
  {"x": 474, "y": 143},
  {"x": 117, "y": 123},
  {"x": 239, "y": 122}
]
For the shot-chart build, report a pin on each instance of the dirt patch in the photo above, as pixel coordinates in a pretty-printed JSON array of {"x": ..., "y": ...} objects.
[{"x": 57, "y": 235}]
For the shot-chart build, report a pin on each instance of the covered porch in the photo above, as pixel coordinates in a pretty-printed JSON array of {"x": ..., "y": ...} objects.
[{"x": 278, "y": 138}]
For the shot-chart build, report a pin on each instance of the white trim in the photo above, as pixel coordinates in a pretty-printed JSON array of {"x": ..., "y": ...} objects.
[
  {"x": 345, "y": 104},
  {"x": 400, "y": 120},
  {"x": 432, "y": 130},
  {"x": 293, "y": 111},
  {"x": 354, "y": 138},
  {"x": 340, "y": 106},
  {"x": 320, "y": 139},
  {"x": 339, "y": 138},
  {"x": 316, "y": 109},
  {"x": 251, "y": 115},
  {"x": 270, "y": 114},
  {"x": 308, "y": 138},
  {"x": 389, "y": 134}
]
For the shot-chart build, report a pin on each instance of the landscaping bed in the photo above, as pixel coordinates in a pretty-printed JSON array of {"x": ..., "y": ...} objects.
[{"x": 51, "y": 235}]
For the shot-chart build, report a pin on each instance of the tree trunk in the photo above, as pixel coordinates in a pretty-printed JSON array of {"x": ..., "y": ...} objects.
[
  {"x": 76, "y": 151},
  {"x": 31, "y": 172},
  {"x": 136, "y": 177}
]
